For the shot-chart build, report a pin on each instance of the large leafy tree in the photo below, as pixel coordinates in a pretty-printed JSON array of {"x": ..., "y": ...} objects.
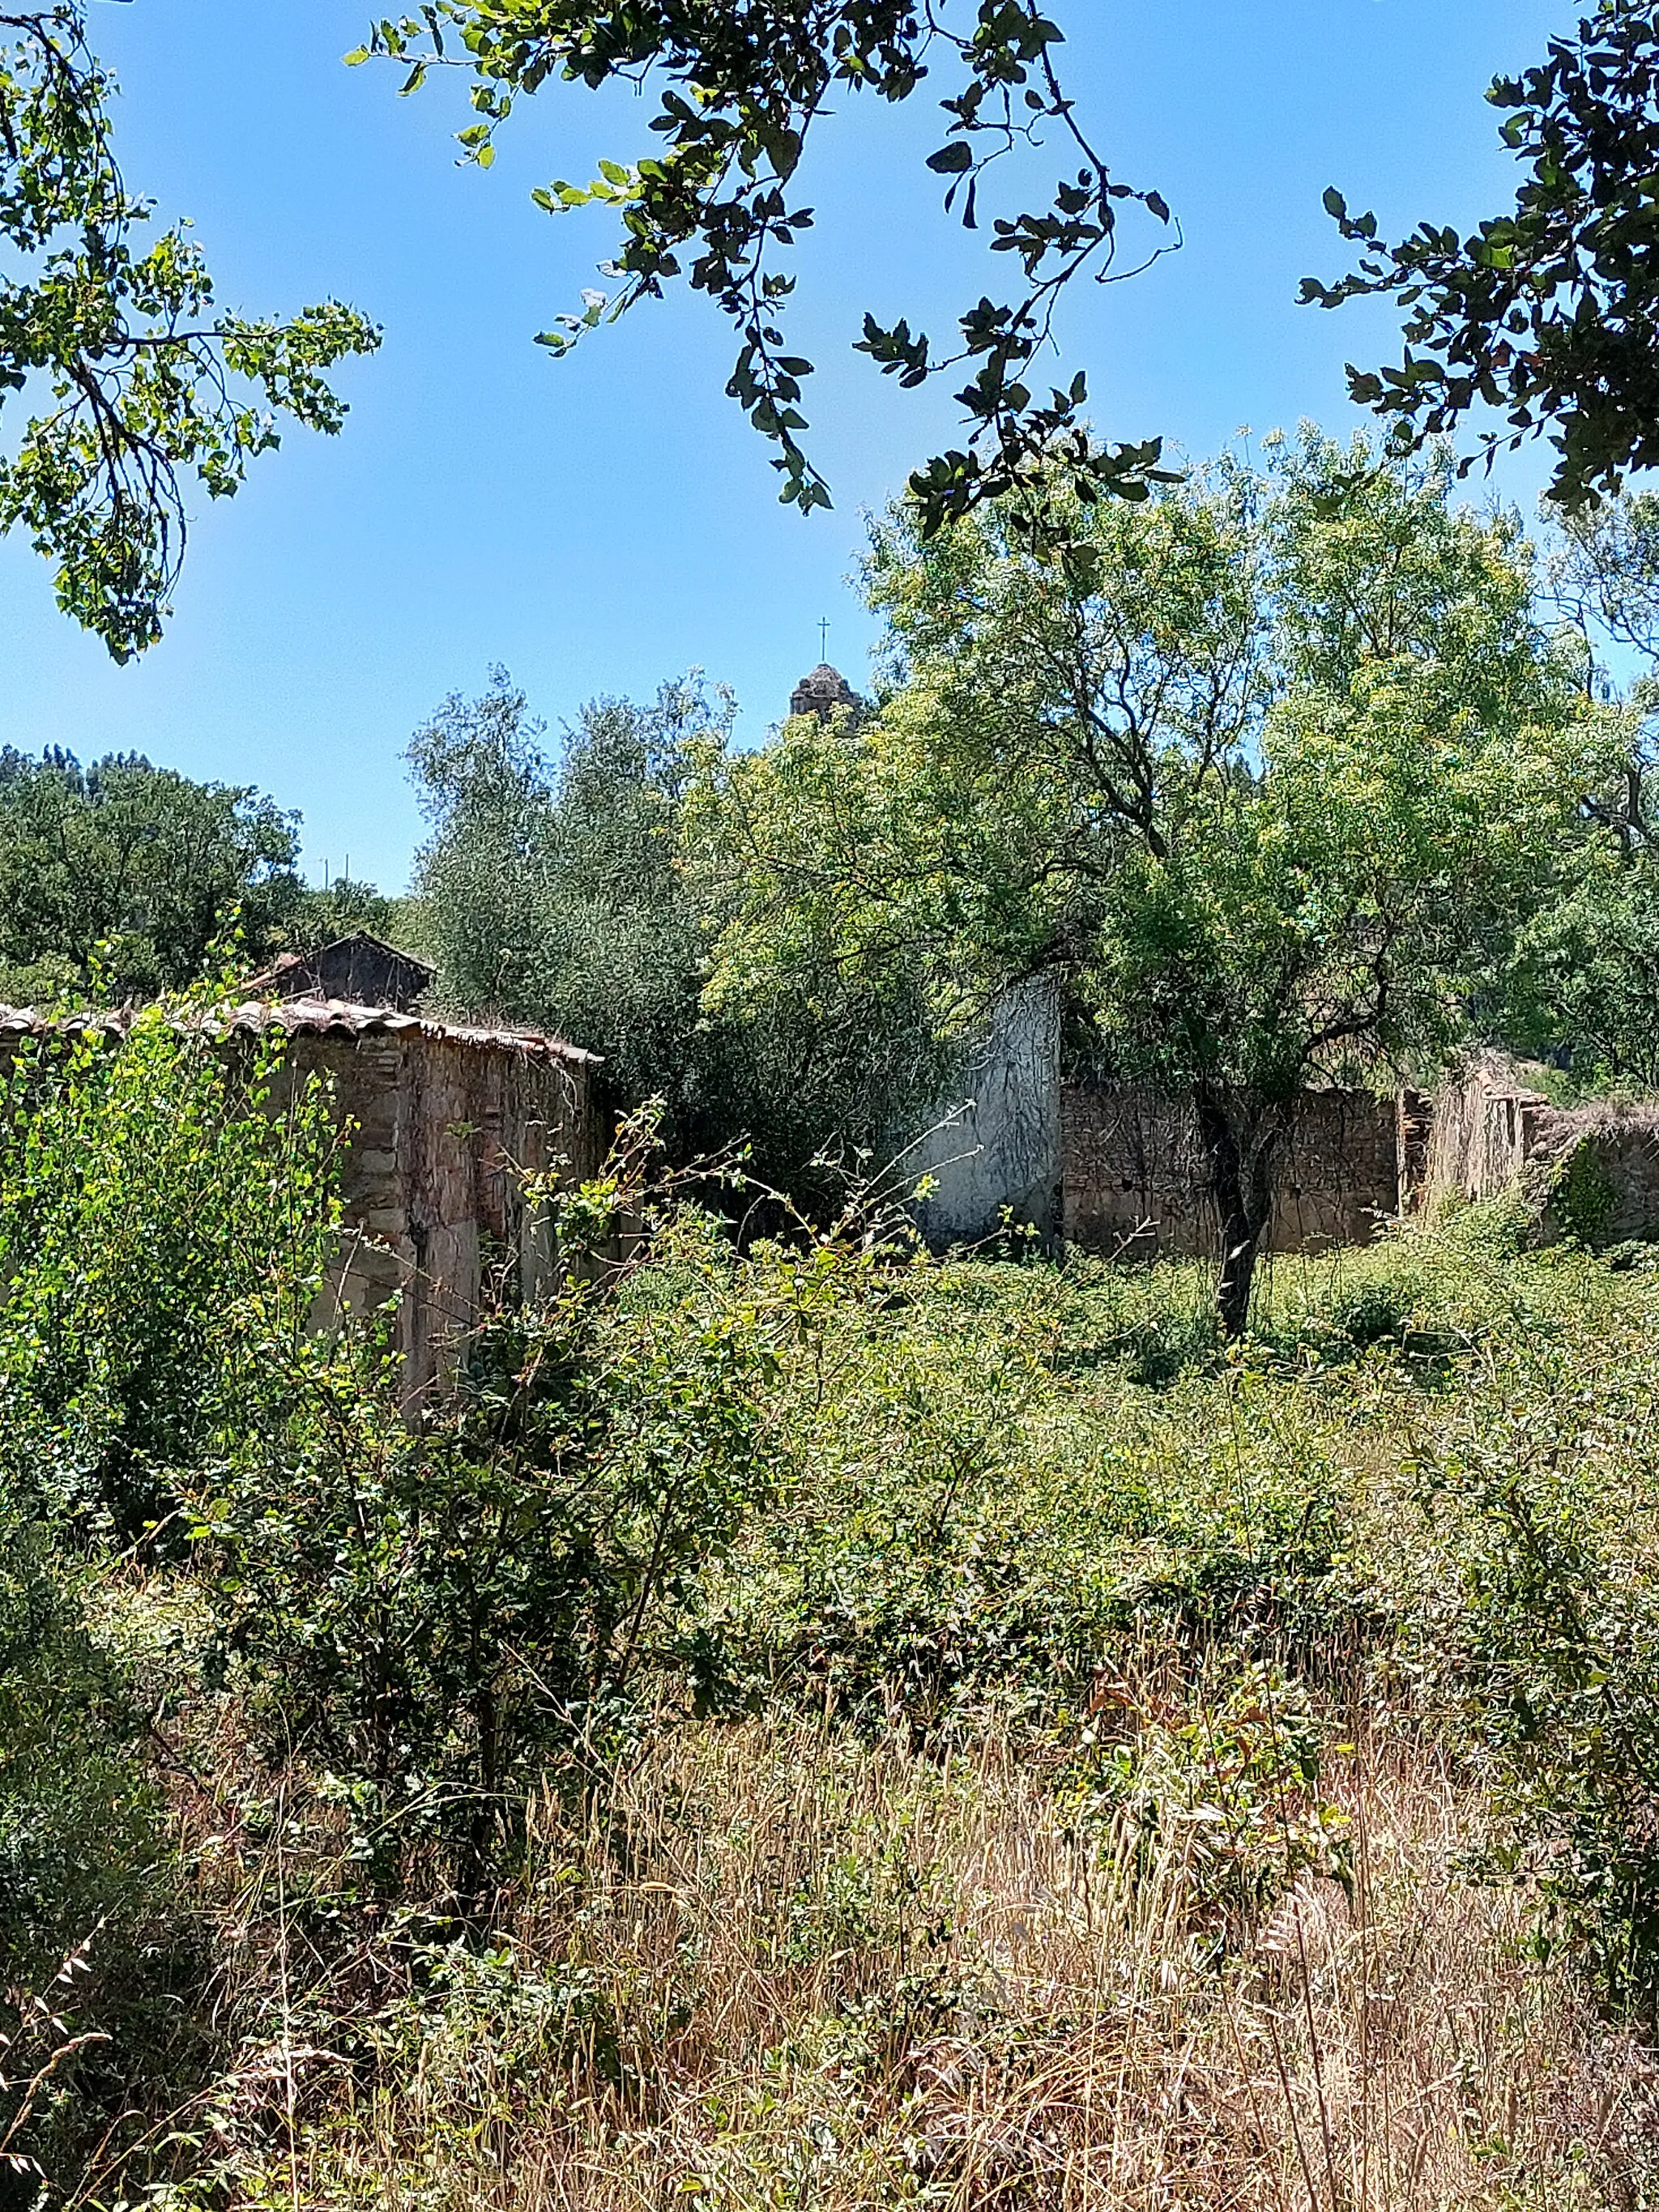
[
  {"x": 1271, "y": 796},
  {"x": 137, "y": 381},
  {"x": 740, "y": 86},
  {"x": 120, "y": 879},
  {"x": 1549, "y": 312},
  {"x": 554, "y": 888}
]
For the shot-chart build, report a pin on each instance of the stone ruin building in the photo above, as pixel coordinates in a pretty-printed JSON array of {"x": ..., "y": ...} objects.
[
  {"x": 1589, "y": 1171},
  {"x": 444, "y": 1119},
  {"x": 1116, "y": 1169}
]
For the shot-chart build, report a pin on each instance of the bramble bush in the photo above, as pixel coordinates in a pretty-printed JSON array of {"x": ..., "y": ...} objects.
[{"x": 432, "y": 1617}]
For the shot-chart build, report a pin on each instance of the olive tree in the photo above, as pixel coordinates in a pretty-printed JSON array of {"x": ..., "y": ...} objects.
[{"x": 559, "y": 885}]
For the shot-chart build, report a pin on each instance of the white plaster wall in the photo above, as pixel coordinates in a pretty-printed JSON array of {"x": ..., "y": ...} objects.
[{"x": 996, "y": 1142}]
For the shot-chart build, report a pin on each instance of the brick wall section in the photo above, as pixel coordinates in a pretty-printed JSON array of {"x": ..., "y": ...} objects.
[{"x": 1133, "y": 1176}]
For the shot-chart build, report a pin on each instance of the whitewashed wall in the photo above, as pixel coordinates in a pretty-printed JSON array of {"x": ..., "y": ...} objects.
[{"x": 998, "y": 1142}]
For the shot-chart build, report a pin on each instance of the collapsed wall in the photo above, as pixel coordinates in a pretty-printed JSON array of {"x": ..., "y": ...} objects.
[{"x": 1589, "y": 1172}]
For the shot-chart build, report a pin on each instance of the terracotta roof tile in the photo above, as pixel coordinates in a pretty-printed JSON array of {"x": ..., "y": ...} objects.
[{"x": 334, "y": 1017}]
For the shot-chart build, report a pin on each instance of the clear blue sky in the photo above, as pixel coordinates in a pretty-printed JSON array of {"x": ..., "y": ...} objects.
[{"x": 598, "y": 524}]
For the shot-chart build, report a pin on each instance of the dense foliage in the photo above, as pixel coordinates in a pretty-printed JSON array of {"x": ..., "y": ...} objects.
[
  {"x": 166, "y": 1214},
  {"x": 1584, "y": 989},
  {"x": 123, "y": 879},
  {"x": 1272, "y": 792},
  {"x": 567, "y": 891},
  {"x": 1004, "y": 1553},
  {"x": 120, "y": 880}
]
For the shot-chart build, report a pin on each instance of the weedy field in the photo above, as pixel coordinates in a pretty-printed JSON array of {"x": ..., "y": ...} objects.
[{"x": 823, "y": 1728}]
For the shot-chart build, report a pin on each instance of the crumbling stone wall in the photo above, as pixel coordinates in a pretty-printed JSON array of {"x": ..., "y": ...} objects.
[
  {"x": 1483, "y": 1129},
  {"x": 441, "y": 1125},
  {"x": 1134, "y": 1175},
  {"x": 1590, "y": 1172},
  {"x": 440, "y": 1135}
]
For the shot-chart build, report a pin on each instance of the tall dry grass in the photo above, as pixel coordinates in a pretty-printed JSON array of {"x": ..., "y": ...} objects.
[{"x": 778, "y": 1967}]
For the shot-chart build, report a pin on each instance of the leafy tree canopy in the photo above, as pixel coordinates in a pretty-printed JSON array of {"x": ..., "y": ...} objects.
[
  {"x": 738, "y": 90},
  {"x": 562, "y": 888},
  {"x": 1550, "y": 313},
  {"x": 141, "y": 380},
  {"x": 120, "y": 879},
  {"x": 1272, "y": 797},
  {"x": 1584, "y": 991}
]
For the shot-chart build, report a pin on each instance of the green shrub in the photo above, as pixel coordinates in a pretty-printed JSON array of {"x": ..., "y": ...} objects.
[
  {"x": 162, "y": 1217},
  {"x": 95, "y": 1966},
  {"x": 1584, "y": 1196},
  {"x": 1225, "y": 1780},
  {"x": 1550, "y": 1656},
  {"x": 434, "y": 1617}
]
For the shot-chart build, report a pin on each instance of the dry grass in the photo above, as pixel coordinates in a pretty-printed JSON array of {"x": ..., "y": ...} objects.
[{"x": 780, "y": 1968}]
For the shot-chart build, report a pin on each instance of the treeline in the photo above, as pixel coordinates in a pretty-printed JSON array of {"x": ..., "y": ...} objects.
[
  {"x": 1300, "y": 771},
  {"x": 120, "y": 880}
]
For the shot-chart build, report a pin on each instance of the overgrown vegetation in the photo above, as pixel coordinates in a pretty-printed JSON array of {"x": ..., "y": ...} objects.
[
  {"x": 562, "y": 890},
  {"x": 812, "y": 1721}
]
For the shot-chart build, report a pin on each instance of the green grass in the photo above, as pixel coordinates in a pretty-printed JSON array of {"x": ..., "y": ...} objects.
[{"x": 1104, "y": 1767}]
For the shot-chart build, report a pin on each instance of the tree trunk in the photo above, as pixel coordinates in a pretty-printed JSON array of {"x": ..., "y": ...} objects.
[{"x": 1242, "y": 1143}]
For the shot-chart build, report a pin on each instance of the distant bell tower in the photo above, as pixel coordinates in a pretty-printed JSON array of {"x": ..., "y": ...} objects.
[{"x": 822, "y": 693}]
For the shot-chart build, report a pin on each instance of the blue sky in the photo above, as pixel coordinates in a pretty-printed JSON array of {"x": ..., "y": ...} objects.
[{"x": 598, "y": 523}]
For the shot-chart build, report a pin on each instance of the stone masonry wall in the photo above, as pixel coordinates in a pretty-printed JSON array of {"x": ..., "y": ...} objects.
[
  {"x": 439, "y": 1133},
  {"x": 1133, "y": 1176},
  {"x": 1591, "y": 1172}
]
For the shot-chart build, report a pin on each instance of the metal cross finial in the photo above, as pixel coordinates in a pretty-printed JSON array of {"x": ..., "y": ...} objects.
[{"x": 823, "y": 638}]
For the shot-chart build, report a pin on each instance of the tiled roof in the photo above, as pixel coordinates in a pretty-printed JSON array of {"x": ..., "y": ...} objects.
[{"x": 333, "y": 1017}]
